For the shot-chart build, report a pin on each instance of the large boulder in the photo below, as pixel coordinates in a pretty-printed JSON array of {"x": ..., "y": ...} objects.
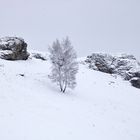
[
  {"x": 135, "y": 82},
  {"x": 13, "y": 48}
]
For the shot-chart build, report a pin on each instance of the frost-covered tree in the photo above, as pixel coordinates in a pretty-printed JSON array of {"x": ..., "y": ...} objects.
[{"x": 64, "y": 64}]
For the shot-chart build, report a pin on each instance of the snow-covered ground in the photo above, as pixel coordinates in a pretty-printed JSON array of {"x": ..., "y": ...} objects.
[{"x": 102, "y": 107}]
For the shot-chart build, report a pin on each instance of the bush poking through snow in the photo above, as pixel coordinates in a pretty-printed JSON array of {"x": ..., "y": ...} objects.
[{"x": 64, "y": 64}]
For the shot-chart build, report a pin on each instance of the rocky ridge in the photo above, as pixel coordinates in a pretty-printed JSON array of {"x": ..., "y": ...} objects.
[{"x": 124, "y": 65}]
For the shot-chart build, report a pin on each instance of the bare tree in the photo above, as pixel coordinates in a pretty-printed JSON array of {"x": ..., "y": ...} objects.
[{"x": 64, "y": 64}]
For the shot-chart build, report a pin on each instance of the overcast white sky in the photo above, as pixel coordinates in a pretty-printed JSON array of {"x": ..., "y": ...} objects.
[{"x": 92, "y": 25}]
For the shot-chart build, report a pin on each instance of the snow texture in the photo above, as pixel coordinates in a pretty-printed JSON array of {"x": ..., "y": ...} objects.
[{"x": 102, "y": 107}]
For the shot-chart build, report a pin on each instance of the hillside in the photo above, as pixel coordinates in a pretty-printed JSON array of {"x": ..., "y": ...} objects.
[{"x": 102, "y": 107}]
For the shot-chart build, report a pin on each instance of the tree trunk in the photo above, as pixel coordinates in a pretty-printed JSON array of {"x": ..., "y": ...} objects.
[
  {"x": 65, "y": 87},
  {"x": 61, "y": 89}
]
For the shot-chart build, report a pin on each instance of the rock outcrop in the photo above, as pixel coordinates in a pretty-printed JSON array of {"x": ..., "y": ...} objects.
[
  {"x": 13, "y": 48},
  {"x": 125, "y": 65}
]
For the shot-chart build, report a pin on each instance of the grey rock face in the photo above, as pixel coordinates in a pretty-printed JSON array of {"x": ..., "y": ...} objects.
[
  {"x": 13, "y": 48},
  {"x": 100, "y": 62},
  {"x": 130, "y": 75},
  {"x": 135, "y": 82}
]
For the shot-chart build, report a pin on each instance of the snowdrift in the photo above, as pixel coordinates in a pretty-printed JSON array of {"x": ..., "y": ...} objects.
[{"x": 102, "y": 106}]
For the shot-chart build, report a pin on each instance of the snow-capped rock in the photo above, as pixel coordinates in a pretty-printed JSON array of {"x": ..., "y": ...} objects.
[
  {"x": 100, "y": 62},
  {"x": 135, "y": 82},
  {"x": 39, "y": 56},
  {"x": 13, "y": 48}
]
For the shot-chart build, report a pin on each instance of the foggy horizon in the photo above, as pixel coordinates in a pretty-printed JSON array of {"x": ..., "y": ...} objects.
[{"x": 110, "y": 26}]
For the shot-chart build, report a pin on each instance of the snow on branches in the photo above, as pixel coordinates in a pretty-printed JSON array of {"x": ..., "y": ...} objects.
[{"x": 64, "y": 64}]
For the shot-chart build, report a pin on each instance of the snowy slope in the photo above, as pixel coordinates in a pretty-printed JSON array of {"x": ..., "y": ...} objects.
[{"x": 102, "y": 107}]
